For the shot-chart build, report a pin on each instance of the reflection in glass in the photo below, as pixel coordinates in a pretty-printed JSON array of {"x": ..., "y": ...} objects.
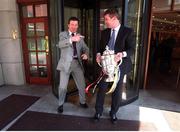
[
  {"x": 42, "y": 71},
  {"x": 32, "y": 58},
  {"x": 161, "y": 5},
  {"x": 42, "y": 58},
  {"x": 28, "y": 11},
  {"x": 88, "y": 31},
  {"x": 40, "y": 29},
  {"x": 33, "y": 71},
  {"x": 31, "y": 44},
  {"x": 41, "y": 43},
  {"x": 132, "y": 14},
  {"x": 134, "y": 20},
  {"x": 30, "y": 29},
  {"x": 177, "y": 5},
  {"x": 41, "y": 10},
  {"x": 106, "y": 5},
  {"x": 102, "y": 25}
]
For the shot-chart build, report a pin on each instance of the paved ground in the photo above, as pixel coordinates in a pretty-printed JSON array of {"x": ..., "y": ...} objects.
[{"x": 160, "y": 107}]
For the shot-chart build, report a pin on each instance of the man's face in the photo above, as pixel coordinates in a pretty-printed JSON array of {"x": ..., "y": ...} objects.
[
  {"x": 73, "y": 26},
  {"x": 109, "y": 21}
]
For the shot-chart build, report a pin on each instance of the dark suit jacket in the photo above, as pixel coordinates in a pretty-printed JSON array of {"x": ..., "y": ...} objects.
[{"x": 124, "y": 42}]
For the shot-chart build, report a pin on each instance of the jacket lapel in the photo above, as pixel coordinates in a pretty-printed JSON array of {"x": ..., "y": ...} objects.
[
  {"x": 119, "y": 37},
  {"x": 108, "y": 34},
  {"x": 107, "y": 37}
]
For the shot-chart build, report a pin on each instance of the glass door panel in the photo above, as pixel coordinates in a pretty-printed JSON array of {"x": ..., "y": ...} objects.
[
  {"x": 134, "y": 20},
  {"x": 28, "y": 11},
  {"x": 41, "y": 10},
  {"x": 33, "y": 71},
  {"x": 43, "y": 71},
  {"x": 31, "y": 44},
  {"x": 30, "y": 31},
  {"x": 38, "y": 50},
  {"x": 41, "y": 44},
  {"x": 42, "y": 58},
  {"x": 161, "y": 5},
  {"x": 40, "y": 31},
  {"x": 32, "y": 58},
  {"x": 36, "y": 45},
  {"x": 177, "y": 5}
]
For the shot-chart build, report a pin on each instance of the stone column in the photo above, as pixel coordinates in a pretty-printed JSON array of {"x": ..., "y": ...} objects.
[
  {"x": 11, "y": 59},
  {"x": 1, "y": 76}
]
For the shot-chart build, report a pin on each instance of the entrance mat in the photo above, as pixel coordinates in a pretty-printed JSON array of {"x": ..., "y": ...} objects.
[
  {"x": 46, "y": 121},
  {"x": 13, "y": 106}
]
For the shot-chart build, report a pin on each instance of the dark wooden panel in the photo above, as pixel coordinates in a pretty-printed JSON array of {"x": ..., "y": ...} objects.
[{"x": 31, "y": 1}]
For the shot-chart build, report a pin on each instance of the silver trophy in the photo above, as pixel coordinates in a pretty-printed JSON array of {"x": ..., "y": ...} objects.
[{"x": 108, "y": 64}]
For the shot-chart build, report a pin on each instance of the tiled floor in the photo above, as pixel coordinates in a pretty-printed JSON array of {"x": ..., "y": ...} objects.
[{"x": 160, "y": 107}]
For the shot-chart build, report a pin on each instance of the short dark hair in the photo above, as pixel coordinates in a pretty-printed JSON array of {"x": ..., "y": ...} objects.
[
  {"x": 112, "y": 12},
  {"x": 73, "y": 19}
]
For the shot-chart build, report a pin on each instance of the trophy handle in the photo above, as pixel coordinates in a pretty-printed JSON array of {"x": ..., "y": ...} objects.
[
  {"x": 120, "y": 62},
  {"x": 99, "y": 64}
]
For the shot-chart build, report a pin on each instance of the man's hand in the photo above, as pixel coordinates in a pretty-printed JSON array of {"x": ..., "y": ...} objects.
[
  {"x": 84, "y": 57},
  {"x": 118, "y": 57},
  {"x": 98, "y": 58},
  {"x": 76, "y": 38}
]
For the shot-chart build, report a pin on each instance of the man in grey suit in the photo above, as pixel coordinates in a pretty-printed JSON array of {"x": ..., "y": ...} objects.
[{"x": 73, "y": 51}]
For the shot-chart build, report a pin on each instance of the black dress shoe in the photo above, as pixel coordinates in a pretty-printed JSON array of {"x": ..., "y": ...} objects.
[
  {"x": 60, "y": 109},
  {"x": 113, "y": 118},
  {"x": 83, "y": 105},
  {"x": 97, "y": 117}
]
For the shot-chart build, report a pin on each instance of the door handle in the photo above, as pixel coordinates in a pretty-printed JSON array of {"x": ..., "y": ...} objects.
[{"x": 46, "y": 45}]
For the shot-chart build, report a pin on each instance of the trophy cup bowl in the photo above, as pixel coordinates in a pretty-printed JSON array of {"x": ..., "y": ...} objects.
[{"x": 108, "y": 64}]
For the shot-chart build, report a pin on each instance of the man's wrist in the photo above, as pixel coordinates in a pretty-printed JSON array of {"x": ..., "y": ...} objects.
[{"x": 98, "y": 54}]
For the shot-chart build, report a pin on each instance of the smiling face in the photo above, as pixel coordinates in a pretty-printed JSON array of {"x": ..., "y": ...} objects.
[
  {"x": 111, "y": 18},
  {"x": 73, "y": 26}
]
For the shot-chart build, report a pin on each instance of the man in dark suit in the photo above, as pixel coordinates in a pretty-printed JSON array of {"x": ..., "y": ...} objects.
[{"x": 123, "y": 46}]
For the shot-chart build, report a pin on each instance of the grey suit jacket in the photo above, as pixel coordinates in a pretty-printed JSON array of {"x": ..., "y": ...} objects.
[{"x": 66, "y": 54}]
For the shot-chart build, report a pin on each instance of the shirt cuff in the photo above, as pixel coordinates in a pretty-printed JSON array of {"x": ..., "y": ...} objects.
[
  {"x": 124, "y": 54},
  {"x": 98, "y": 54}
]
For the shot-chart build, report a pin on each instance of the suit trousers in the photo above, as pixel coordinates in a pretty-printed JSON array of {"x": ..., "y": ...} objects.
[
  {"x": 78, "y": 76},
  {"x": 116, "y": 96}
]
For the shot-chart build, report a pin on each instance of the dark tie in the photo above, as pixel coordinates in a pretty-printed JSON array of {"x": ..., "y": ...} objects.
[
  {"x": 112, "y": 41},
  {"x": 74, "y": 47}
]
